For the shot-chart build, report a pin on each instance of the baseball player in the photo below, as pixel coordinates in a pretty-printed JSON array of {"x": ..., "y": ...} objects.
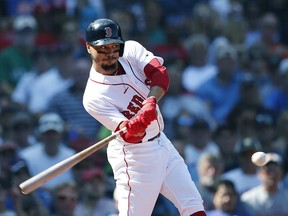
[{"x": 126, "y": 81}]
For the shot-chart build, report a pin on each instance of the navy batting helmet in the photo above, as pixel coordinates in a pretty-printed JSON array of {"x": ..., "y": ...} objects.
[{"x": 104, "y": 31}]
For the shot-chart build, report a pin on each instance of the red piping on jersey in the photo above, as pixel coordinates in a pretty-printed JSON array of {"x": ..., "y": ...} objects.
[{"x": 128, "y": 182}]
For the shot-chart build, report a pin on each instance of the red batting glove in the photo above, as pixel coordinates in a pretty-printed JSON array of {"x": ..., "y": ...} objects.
[
  {"x": 148, "y": 112},
  {"x": 135, "y": 130},
  {"x": 136, "y": 125}
]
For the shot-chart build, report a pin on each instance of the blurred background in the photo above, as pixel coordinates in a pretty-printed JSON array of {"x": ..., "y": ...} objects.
[{"x": 228, "y": 97}]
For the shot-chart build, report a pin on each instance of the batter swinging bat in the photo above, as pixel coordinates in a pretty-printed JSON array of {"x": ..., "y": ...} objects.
[{"x": 38, "y": 180}]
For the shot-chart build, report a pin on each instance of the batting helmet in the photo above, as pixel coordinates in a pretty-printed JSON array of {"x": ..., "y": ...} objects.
[{"x": 104, "y": 31}]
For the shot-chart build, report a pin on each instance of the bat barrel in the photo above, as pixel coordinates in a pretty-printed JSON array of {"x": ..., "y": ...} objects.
[{"x": 38, "y": 180}]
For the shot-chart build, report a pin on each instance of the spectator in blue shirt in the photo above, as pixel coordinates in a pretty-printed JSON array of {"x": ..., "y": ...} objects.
[{"x": 222, "y": 91}]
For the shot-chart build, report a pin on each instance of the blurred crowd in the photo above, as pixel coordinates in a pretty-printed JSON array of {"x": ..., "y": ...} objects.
[{"x": 228, "y": 98}]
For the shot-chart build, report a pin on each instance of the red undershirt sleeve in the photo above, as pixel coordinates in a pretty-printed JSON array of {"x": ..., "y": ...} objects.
[{"x": 157, "y": 75}]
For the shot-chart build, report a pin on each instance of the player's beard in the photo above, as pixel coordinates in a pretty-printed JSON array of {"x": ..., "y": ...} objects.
[{"x": 109, "y": 68}]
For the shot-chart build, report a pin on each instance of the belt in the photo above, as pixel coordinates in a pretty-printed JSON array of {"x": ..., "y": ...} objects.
[{"x": 153, "y": 138}]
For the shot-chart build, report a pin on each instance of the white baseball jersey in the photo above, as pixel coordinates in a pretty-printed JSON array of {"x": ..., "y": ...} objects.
[
  {"x": 112, "y": 99},
  {"x": 141, "y": 170}
]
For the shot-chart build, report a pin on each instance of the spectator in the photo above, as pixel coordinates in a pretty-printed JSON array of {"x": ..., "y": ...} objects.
[
  {"x": 176, "y": 11},
  {"x": 36, "y": 203},
  {"x": 34, "y": 90},
  {"x": 221, "y": 93},
  {"x": 235, "y": 27},
  {"x": 254, "y": 62},
  {"x": 181, "y": 126},
  {"x": 185, "y": 103},
  {"x": 87, "y": 11},
  {"x": 265, "y": 128},
  {"x": 280, "y": 144},
  {"x": 132, "y": 7},
  {"x": 71, "y": 34},
  {"x": 24, "y": 91},
  {"x": 68, "y": 104},
  {"x": 210, "y": 168},
  {"x": 200, "y": 142},
  {"x": 99, "y": 160},
  {"x": 214, "y": 45},
  {"x": 172, "y": 48},
  {"x": 22, "y": 130},
  {"x": 8, "y": 156},
  {"x": 225, "y": 137},
  {"x": 242, "y": 119},
  {"x": 50, "y": 150},
  {"x": 277, "y": 99},
  {"x": 249, "y": 91},
  {"x": 226, "y": 201},
  {"x": 245, "y": 176},
  {"x": 278, "y": 8},
  {"x": 154, "y": 20},
  {"x": 6, "y": 34},
  {"x": 252, "y": 12},
  {"x": 198, "y": 70},
  {"x": 268, "y": 198},
  {"x": 17, "y": 59},
  {"x": 4, "y": 210},
  {"x": 93, "y": 198},
  {"x": 126, "y": 19},
  {"x": 66, "y": 197},
  {"x": 172, "y": 97},
  {"x": 204, "y": 20},
  {"x": 269, "y": 38},
  {"x": 8, "y": 109}
]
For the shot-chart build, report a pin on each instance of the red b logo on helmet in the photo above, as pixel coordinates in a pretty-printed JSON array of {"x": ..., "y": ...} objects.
[{"x": 108, "y": 31}]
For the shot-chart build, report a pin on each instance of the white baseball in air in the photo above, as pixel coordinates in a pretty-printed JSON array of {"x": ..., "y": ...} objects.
[{"x": 259, "y": 158}]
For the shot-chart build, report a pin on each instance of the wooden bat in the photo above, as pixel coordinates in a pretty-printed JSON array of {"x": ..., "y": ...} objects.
[{"x": 38, "y": 180}]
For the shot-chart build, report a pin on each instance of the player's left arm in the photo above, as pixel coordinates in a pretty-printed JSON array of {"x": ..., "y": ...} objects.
[
  {"x": 150, "y": 65},
  {"x": 157, "y": 78}
]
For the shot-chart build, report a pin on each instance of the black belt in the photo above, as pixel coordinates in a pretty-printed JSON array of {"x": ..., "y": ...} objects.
[{"x": 153, "y": 138}]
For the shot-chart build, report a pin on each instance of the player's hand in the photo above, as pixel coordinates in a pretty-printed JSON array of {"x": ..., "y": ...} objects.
[
  {"x": 136, "y": 126},
  {"x": 135, "y": 130},
  {"x": 148, "y": 112}
]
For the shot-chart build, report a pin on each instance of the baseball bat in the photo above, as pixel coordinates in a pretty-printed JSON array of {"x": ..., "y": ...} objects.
[{"x": 38, "y": 180}]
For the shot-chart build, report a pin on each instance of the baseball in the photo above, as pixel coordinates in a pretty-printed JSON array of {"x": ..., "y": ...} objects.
[{"x": 259, "y": 158}]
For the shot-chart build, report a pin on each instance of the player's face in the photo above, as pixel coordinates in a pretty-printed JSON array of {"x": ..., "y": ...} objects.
[{"x": 105, "y": 57}]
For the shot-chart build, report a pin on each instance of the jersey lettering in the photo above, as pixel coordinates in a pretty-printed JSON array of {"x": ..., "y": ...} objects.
[
  {"x": 133, "y": 107},
  {"x": 108, "y": 31},
  {"x": 127, "y": 114},
  {"x": 138, "y": 100}
]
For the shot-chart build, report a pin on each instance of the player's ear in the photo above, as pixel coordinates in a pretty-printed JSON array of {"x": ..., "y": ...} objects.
[{"x": 88, "y": 47}]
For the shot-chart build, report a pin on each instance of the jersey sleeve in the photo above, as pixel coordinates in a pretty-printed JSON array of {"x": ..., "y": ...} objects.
[{"x": 139, "y": 55}]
